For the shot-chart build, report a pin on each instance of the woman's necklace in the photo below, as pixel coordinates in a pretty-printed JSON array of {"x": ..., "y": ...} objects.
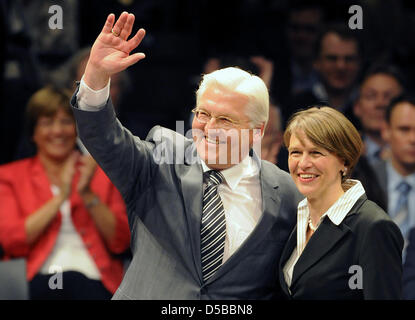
[{"x": 310, "y": 224}]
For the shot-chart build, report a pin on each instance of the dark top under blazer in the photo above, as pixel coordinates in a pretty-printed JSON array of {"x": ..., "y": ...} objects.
[
  {"x": 368, "y": 238},
  {"x": 164, "y": 205}
]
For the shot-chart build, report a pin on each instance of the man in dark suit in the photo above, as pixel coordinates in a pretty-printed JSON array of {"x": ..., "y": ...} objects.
[
  {"x": 208, "y": 218},
  {"x": 379, "y": 86},
  {"x": 397, "y": 175}
]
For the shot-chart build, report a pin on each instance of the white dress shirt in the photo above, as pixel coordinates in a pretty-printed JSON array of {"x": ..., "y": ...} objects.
[
  {"x": 242, "y": 200},
  {"x": 240, "y": 191},
  {"x": 336, "y": 213}
]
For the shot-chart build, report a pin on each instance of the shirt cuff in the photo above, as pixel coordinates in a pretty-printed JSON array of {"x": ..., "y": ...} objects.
[{"x": 92, "y": 100}]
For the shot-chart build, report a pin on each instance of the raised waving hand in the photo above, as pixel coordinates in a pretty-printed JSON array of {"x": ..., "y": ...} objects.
[{"x": 110, "y": 53}]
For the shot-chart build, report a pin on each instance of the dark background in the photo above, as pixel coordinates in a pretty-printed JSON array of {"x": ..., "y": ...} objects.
[{"x": 181, "y": 36}]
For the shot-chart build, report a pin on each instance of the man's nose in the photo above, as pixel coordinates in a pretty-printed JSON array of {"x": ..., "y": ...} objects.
[
  {"x": 211, "y": 124},
  {"x": 382, "y": 102},
  {"x": 340, "y": 63}
]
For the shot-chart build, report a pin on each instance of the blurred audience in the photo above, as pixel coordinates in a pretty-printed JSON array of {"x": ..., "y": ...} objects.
[
  {"x": 305, "y": 22},
  {"x": 379, "y": 86},
  {"x": 365, "y": 173},
  {"x": 258, "y": 65},
  {"x": 72, "y": 70},
  {"x": 60, "y": 211},
  {"x": 272, "y": 140},
  {"x": 53, "y": 30},
  {"x": 338, "y": 62},
  {"x": 397, "y": 175},
  {"x": 20, "y": 76},
  {"x": 121, "y": 85}
]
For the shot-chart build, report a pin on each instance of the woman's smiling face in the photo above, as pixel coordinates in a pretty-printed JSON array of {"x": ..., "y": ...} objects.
[
  {"x": 55, "y": 136},
  {"x": 315, "y": 170}
]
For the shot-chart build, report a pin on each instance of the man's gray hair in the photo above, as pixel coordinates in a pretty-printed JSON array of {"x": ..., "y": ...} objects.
[{"x": 237, "y": 80}]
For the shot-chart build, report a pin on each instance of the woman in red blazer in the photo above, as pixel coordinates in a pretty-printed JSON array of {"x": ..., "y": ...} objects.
[{"x": 60, "y": 211}]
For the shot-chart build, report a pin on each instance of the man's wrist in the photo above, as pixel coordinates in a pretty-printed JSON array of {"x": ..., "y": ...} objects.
[
  {"x": 92, "y": 100},
  {"x": 95, "y": 79}
]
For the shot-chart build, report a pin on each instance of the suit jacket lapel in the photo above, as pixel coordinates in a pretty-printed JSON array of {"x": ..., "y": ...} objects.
[
  {"x": 271, "y": 202},
  {"x": 286, "y": 254},
  {"x": 325, "y": 238},
  {"x": 191, "y": 183}
]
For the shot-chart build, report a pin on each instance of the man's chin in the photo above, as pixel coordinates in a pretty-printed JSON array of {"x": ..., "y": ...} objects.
[
  {"x": 339, "y": 87},
  {"x": 217, "y": 157},
  {"x": 212, "y": 160}
]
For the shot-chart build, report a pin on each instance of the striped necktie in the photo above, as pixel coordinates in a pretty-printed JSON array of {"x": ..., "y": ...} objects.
[
  {"x": 401, "y": 216},
  {"x": 213, "y": 227}
]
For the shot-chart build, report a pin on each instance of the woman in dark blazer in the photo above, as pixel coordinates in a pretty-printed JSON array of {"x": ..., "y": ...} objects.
[{"x": 344, "y": 246}]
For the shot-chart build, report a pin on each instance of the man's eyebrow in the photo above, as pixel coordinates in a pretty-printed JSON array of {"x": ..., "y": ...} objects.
[{"x": 220, "y": 115}]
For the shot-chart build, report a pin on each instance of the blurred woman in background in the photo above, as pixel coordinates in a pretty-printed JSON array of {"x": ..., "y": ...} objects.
[{"x": 60, "y": 211}]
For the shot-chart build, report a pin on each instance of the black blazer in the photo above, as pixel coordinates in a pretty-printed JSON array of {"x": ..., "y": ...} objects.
[
  {"x": 409, "y": 268},
  {"x": 368, "y": 238}
]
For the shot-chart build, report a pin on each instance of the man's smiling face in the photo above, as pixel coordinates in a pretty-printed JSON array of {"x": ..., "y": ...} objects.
[{"x": 226, "y": 137}]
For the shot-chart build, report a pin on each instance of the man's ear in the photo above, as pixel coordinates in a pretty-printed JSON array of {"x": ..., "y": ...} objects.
[{"x": 259, "y": 132}]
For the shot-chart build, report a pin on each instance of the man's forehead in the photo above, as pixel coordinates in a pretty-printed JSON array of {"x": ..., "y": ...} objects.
[
  {"x": 332, "y": 42},
  {"x": 306, "y": 15},
  {"x": 379, "y": 81},
  {"x": 403, "y": 112},
  {"x": 214, "y": 97},
  {"x": 215, "y": 92}
]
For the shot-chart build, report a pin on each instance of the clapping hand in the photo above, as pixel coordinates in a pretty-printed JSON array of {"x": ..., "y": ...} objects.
[
  {"x": 87, "y": 168},
  {"x": 110, "y": 53},
  {"x": 67, "y": 175}
]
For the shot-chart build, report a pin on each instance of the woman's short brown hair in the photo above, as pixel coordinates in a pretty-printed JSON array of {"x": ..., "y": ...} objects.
[
  {"x": 329, "y": 129},
  {"x": 46, "y": 102}
]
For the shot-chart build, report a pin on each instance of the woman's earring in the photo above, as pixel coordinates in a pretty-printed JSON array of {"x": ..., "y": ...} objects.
[{"x": 344, "y": 172}]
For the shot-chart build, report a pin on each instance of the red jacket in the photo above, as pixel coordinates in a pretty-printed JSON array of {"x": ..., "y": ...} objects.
[{"x": 25, "y": 187}]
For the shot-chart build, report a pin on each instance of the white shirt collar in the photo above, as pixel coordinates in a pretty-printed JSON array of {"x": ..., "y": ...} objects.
[
  {"x": 236, "y": 173},
  {"x": 338, "y": 211}
]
